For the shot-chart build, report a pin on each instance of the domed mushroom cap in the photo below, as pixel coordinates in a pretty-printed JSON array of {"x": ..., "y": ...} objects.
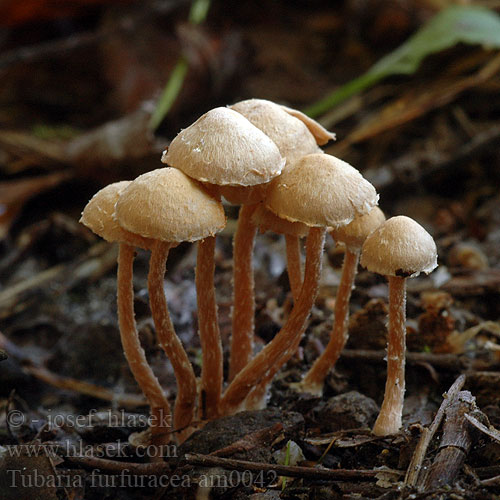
[
  {"x": 222, "y": 147},
  {"x": 268, "y": 221},
  {"x": 98, "y": 216},
  {"x": 399, "y": 247},
  {"x": 319, "y": 132},
  {"x": 167, "y": 205},
  {"x": 356, "y": 232},
  {"x": 290, "y": 134},
  {"x": 321, "y": 190}
]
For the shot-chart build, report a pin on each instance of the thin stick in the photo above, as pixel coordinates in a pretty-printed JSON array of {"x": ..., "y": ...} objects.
[
  {"x": 32, "y": 367},
  {"x": 489, "y": 431},
  {"x": 447, "y": 362},
  {"x": 456, "y": 442},
  {"x": 281, "y": 470},
  {"x": 97, "y": 464},
  {"x": 428, "y": 433}
]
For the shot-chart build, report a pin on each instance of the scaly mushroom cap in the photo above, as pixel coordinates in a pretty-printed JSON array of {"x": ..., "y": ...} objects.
[
  {"x": 356, "y": 232},
  {"x": 222, "y": 147},
  {"x": 399, "y": 247},
  {"x": 321, "y": 190},
  {"x": 290, "y": 134},
  {"x": 167, "y": 205},
  {"x": 98, "y": 216},
  {"x": 268, "y": 221}
]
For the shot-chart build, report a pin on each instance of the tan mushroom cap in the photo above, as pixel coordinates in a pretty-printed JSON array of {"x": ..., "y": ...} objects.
[
  {"x": 222, "y": 147},
  {"x": 321, "y": 190},
  {"x": 319, "y": 132},
  {"x": 399, "y": 247},
  {"x": 167, "y": 205},
  {"x": 290, "y": 134},
  {"x": 356, "y": 232},
  {"x": 98, "y": 216},
  {"x": 268, "y": 221}
]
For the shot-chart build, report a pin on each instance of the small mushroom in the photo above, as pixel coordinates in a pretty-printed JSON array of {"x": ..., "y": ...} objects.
[
  {"x": 168, "y": 207},
  {"x": 320, "y": 191},
  {"x": 295, "y": 138},
  {"x": 288, "y": 132},
  {"x": 98, "y": 216},
  {"x": 319, "y": 132},
  {"x": 353, "y": 236},
  {"x": 224, "y": 150},
  {"x": 400, "y": 248}
]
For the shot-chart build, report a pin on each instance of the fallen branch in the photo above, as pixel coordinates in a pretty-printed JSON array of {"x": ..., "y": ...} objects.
[
  {"x": 283, "y": 470},
  {"x": 31, "y": 367},
  {"x": 99, "y": 259},
  {"x": 415, "y": 466},
  {"x": 154, "y": 468},
  {"x": 489, "y": 431},
  {"x": 456, "y": 442},
  {"x": 449, "y": 362}
]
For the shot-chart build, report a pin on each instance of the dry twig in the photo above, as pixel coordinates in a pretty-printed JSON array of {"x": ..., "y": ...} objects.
[
  {"x": 456, "y": 442},
  {"x": 282, "y": 470},
  {"x": 414, "y": 468}
]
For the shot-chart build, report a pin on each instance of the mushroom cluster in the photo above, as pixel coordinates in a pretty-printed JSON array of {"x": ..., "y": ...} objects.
[{"x": 267, "y": 159}]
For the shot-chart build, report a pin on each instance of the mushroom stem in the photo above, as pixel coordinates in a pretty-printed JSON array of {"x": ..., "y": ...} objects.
[
  {"x": 281, "y": 348},
  {"x": 134, "y": 353},
  {"x": 211, "y": 345},
  {"x": 293, "y": 264},
  {"x": 389, "y": 419},
  {"x": 186, "y": 381},
  {"x": 314, "y": 379},
  {"x": 256, "y": 399},
  {"x": 243, "y": 292}
]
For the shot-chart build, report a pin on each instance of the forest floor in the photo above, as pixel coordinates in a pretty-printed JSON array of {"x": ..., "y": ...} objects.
[{"x": 78, "y": 91}]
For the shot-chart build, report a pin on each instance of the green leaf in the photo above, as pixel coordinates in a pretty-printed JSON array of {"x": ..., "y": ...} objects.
[
  {"x": 197, "y": 14},
  {"x": 471, "y": 25},
  {"x": 169, "y": 94}
]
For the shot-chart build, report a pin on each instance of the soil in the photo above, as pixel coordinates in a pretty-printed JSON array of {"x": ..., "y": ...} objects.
[{"x": 78, "y": 88}]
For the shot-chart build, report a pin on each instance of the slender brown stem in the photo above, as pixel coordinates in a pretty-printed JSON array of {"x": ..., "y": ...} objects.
[
  {"x": 256, "y": 400},
  {"x": 293, "y": 264},
  {"x": 314, "y": 379},
  {"x": 134, "y": 353},
  {"x": 185, "y": 401},
  {"x": 211, "y": 346},
  {"x": 243, "y": 292},
  {"x": 390, "y": 416},
  {"x": 282, "y": 346}
]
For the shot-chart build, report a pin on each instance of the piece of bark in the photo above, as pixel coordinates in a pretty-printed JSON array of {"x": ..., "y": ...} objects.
[
  {"x": 458, "y": 437},
  {"x": 415, "y": 466}
]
